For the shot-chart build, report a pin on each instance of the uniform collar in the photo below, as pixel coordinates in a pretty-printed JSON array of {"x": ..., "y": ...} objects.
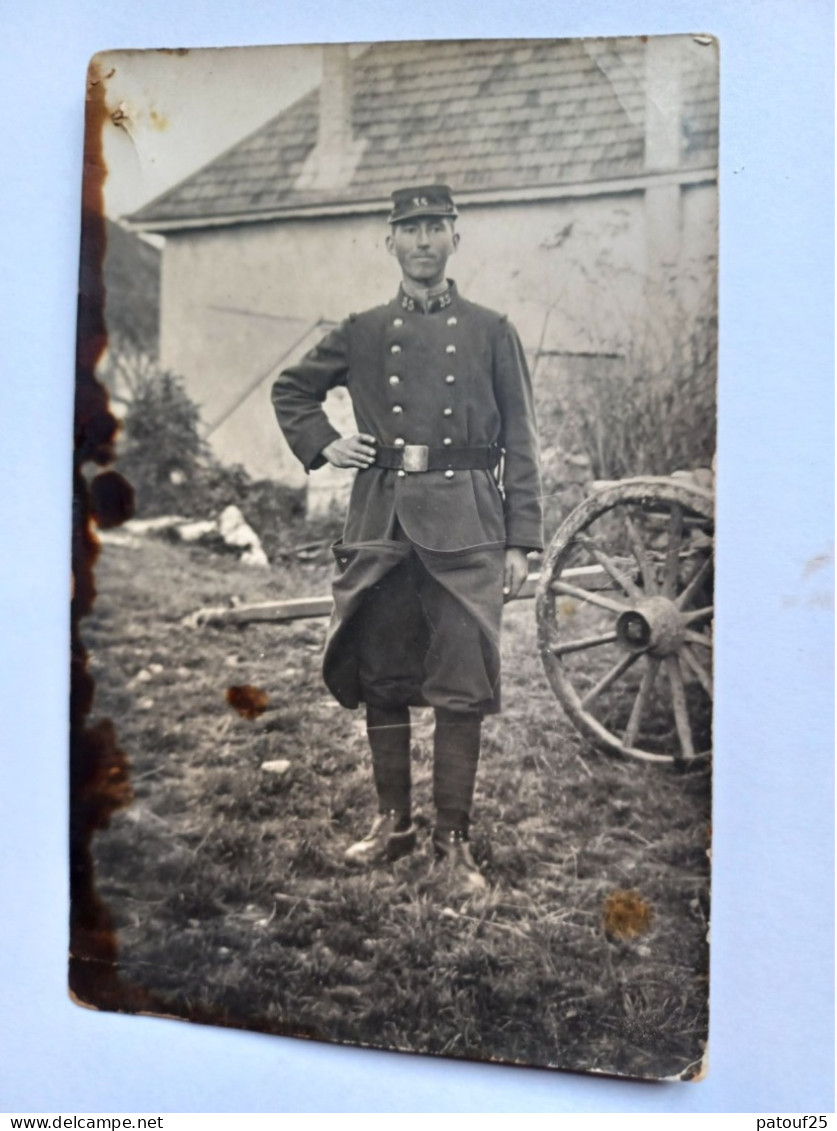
[{"x": 437, "y": 302}]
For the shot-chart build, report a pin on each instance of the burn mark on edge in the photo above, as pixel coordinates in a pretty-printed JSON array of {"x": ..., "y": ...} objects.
[
  {"x": 99, "y": 775},
  {"x": 99, "y": 769}
]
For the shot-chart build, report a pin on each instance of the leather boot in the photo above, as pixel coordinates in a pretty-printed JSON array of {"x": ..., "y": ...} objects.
[
  {"x": 392, "y": 836},
  {"x": 453, "y": 857},
  {"x": 456, "y": 753}
]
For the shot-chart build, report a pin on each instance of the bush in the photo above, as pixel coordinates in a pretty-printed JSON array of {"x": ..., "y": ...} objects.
[
  {"x": 172, "y": 470},
  {"x": 162, "y": 452}
]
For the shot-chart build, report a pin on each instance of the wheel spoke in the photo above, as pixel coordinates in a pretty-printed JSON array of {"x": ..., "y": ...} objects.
[
  {"x": 582, "y": 644},
  {"x": 675, "y": 538},
  {"x": 697, "y": 638},
  {"x": 696, "y": 582},
  {"x": 643, "y": 695},
  {"x": 698, "y": 614},
  {"x": 681, "y": 710},
  {"x": 608, "y": 680},
  {"x": 694, "y": 664},
  {"x": 609, "y": 566},
  {"x": 590, "y": 596},
  {"x": 645, "y": 566}
]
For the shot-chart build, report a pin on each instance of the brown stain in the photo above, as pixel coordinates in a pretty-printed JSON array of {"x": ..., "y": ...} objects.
[
  {"x": 93, "y": 76},
  {"x": 626, "y": 915},
  {"x": 249, "y": 701},
  {"x": 159, "y": 121},
  {"x": 816, "y": 563},
  {"x": 120, "y": 116}
]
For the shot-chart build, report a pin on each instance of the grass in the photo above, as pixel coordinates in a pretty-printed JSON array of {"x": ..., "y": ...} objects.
[{"x": 227, "y": 889}]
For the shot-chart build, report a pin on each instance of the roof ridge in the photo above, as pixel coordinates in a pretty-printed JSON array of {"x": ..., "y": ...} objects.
[
  {"x": 587, "y": 96},
  {"x": 313, "y": 94}
]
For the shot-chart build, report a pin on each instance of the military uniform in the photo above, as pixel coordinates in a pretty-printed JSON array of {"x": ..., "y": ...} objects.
[
  {"x": 453, "y": 378},
  {"x": 444, "y": 389}
]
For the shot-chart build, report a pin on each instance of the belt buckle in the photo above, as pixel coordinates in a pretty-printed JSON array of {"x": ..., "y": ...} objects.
[{"x": 415, "y": 457}]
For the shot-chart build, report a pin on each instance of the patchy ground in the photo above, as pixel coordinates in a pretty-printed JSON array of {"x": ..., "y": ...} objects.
[{"x": 226, "y": 882}]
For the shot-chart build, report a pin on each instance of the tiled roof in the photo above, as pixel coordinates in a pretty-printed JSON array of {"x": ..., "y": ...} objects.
[{"x": 480, "y": 115}]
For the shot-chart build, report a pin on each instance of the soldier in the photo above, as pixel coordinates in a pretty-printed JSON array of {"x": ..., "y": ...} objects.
[{"x": 436, "y": 536}]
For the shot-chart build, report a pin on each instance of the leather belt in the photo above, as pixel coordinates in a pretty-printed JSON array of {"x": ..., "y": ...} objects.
[{"x": 419, "y": 457}]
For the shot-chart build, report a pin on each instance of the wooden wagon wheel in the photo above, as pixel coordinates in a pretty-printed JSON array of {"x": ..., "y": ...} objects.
[{"x": 638, "y": 607}]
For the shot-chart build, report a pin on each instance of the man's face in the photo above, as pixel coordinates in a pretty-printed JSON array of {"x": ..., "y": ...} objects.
[{"x": 422, "y": 247}]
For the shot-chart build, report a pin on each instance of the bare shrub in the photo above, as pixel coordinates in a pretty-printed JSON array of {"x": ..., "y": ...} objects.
[
  {"x": 644, "y": 404},
  {"x": 657, "y": 417}
]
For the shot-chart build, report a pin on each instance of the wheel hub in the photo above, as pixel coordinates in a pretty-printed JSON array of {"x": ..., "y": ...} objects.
[{"x": 654, "y": 626}]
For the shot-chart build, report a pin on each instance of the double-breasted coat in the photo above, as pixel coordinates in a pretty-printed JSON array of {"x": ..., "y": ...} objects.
[{"x": 452, "y": 375}]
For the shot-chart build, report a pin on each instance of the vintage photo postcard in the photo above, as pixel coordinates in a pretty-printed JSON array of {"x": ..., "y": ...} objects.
[{"x": 393, "y": 546}]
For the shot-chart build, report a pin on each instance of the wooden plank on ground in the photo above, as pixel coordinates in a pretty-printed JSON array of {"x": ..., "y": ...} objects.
[{"x": 298, "y": 608}]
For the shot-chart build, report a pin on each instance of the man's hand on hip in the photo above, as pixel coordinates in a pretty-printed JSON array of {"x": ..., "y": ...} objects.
[
  {"x": 516, "y": 572},
  {"x": 351, "y": 451}
]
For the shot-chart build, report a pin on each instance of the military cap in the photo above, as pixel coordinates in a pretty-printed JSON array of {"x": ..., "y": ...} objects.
[{"x": 426, "y": 200}]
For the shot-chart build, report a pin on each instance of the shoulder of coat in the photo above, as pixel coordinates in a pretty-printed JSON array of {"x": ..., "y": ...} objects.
[{"x": 374, "y": 314}]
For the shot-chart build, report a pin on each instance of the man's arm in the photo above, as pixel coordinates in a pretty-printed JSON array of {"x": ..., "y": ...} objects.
[
  {"x": 299, "y": 392},
  {"x": 351, "y": 451},
  {"x": 515, "y": 572},
  {"x": 519, "y": 438}
]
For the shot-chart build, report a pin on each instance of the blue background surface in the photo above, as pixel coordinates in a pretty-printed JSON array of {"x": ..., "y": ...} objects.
[{"x": 772, "y": 984}]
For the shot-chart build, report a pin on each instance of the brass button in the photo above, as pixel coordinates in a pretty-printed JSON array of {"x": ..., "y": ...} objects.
[
  {"x": 452, "y": 320},
  {"x": 395, "y": 349},
  {"x": 399, "y": 442},
  {"x": 398, "y": 321},
  {"x": 449, "y": 380},
  {"x": 450, "y": 349},
  {"x": 447, "y": 441},
  {"x": 394, "y": 380},
  {"x": 448, "y": 474},
  {"x": 396, "y": 408},
  {"x": 402, "y": 473},
  {"x": 446, "y": 412}
]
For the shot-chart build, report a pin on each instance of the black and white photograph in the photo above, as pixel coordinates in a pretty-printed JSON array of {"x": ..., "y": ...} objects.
[{"x": 393, "y": 546}]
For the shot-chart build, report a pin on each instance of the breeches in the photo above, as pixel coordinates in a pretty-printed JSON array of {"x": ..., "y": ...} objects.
[{"x": 416, "y": 643}]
